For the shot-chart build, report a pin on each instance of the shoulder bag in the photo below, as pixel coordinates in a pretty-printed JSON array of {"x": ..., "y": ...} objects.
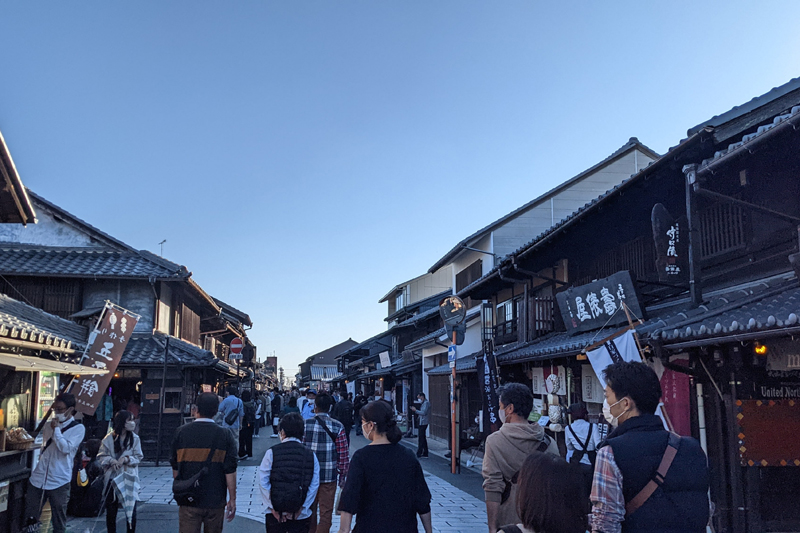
[
  {"x": 231, "y": 417},
  {"x": 658, "y": 478},
  {"x": 186, "y": 491}
]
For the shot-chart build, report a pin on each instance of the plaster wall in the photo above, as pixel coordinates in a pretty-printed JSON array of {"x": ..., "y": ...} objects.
[
  {"x": 48, "y": 231},
  {"x": 136, "y": 296}
]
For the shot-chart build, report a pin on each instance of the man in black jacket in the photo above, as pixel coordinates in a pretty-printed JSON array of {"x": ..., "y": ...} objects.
[
  {"x": 190, "y": 451},
  {"x": 630, "y": 457},
  {"x": 343, "y": 412}
]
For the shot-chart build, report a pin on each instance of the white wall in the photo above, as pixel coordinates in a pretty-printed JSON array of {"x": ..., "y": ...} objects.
[{"x": 46, "y": 232}]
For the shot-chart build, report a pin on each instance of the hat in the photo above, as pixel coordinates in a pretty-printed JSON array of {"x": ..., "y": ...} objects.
[{"x": 311, "y": 391}]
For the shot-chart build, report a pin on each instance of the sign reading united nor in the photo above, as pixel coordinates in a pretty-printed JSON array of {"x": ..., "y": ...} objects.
[
  {"x": 106, "y": 344},
  {"x": 452, "y": 310}
]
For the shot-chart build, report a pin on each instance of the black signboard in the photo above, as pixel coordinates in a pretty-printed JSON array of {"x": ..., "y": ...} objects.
[
  {"x": 598, "y": 304},
  {"x": 487, "y": 378},
  {"x": 672, "y": 246}
]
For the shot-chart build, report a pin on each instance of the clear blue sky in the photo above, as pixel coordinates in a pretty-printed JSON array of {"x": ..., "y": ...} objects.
[{"x": 294, "y": 154}]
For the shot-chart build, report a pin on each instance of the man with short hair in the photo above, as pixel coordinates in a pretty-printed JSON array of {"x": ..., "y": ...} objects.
[
  {"x": 343, "y": 412},
  {"x": 326, "y": 438},
  {"x": 192, "y": 446},
  {"x": 424, "y": 413},
  {"x": 226, "y": 406},
  {"x": 630, "y": 457},
  {"x": 506, "y": 450},
  {"x": 50, "y": 480},
  {"x": 307, "y": 409}
]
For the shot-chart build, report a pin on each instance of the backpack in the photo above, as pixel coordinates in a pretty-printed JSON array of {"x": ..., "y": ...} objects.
[
  {"x": 577, "y": 455},
  {"x": 541, "y": 448},
  {"x": 249, "y": 413}
]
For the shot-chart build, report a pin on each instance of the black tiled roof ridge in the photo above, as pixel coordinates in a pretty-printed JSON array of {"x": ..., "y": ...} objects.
[{"x": 36, "y": 318}]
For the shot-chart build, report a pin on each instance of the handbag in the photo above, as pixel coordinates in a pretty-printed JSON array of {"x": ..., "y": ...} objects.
[
  {"x": 186, "y": 491},
  {"x": 231, "y": 417}
]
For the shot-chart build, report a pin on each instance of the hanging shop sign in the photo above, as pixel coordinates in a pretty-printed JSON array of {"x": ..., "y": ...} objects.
[
  {"x": 386, "y": 361},
  {"x": 106, "y": 345},
  {"x": 549, "y": 380},
  {"x": 672, "y": 246},
  {"x": 486, "y": 367},
  {"x": 590, "y": 385},
  {"x": 599, "y": 303}
]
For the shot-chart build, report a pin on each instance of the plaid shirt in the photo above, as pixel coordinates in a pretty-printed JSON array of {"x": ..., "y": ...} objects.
[
  {"x": 333, "y": 457},
  {"x": 608, "y": 502}
]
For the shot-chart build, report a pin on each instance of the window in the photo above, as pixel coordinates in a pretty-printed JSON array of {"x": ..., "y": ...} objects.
[
  {"x": 468, "y": 275},
  {"x": 172, "y": 400},
  {"x": 399, "y": 301},
  {"x": 164, "y": 308}
]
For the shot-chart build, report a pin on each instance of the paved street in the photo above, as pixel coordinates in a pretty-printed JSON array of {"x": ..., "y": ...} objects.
[{"x": 454, "y": 509}]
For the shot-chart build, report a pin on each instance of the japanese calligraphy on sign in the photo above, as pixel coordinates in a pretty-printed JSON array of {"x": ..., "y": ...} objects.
[
  {"x": 599, "y": 303},
  {"x": 487, "y": 378},
  {"x": 671, "y": 243},
  {"x": 106, "y": 345}
]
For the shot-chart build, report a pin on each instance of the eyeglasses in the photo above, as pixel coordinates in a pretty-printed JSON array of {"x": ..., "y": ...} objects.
[{"x": 60, "y": 410}]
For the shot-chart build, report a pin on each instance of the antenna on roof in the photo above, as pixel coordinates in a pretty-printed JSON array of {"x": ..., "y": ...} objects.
[{"x": 162, "y": 247}]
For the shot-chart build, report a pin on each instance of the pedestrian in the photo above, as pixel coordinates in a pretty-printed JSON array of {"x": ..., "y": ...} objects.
[
  {"x": 358, "y": 403},
  {"x": 386, "y": 488},
  {"x": 259, "y": 416},
  {"x": 326, "y": 438},
  {"x": 582, "y": 440},
  {"x": 291, "y": 407},
  {"x": 50, "y": 478},
  {"x": 227, "y": 407},
  {"x": 277, "y": 408},
  {"x": 424, "y": 413},
  {"x": 205, "y": 445},
  {"x": 506, "y": 450},
  {"x": 86, "y": 487},
  {"x": 551, "y": 497},
  {"x": 289, "y": 479},
  {"x": 307, "y": 408},
  {"x": 121, "y": 452},
  {"x": 343, "y": 412},
  {"x": 248, "y": 426},
  {"x": 631, "y": 491}
]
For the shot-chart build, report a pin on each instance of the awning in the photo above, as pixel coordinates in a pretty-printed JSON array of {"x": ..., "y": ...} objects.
[
  {"x": 37, "y": 364},
  {"x": 463, "y": 365}
]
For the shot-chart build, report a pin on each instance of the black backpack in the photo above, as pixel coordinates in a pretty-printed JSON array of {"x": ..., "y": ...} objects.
[
  {"x": 249, "y": 413},
  {"x": 577, "y": 455}
]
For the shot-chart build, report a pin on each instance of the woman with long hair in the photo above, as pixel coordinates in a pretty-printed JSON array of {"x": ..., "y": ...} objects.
[
  {"x": 551, "y": 497},
  {"x": 385, "y": 488},
  {"x": 121, "y": 450}
]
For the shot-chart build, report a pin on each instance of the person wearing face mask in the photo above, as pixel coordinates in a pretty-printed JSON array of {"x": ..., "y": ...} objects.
[
  {"x": 289, "y": 479},
  {"x": 385, "y": 488},
  {"x": 121, "y": 450},
  {"x": 50, "y": 480},
  {"x": 626, "y": 494},
  {"x": 424, "y": 413},
  {"x": 307, "y": 409},
  {"x": 506, "y": 451}
]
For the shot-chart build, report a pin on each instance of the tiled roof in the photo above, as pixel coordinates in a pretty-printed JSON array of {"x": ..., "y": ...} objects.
[
  {"x": 632, "y": 143},
  {"x": 85, "y": 262},
  {"x": 243, "y": 317},
  {"x": 35, "y": 325},
  {"x": 328, "y": 356},
  {"x": 149, "y": 350},
  {"x": 463, "y": 364}
]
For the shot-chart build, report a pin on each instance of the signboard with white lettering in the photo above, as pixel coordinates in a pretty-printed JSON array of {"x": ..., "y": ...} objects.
[
  {"x": 106, "y": 344},
  {"x": 672, "y": 246},
  {"x": 598, "y": 304},
  {"x": 386, "y": 361}
]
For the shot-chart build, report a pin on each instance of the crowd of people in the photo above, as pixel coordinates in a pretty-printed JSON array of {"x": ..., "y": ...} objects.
[{"x": 640, "y": 477}]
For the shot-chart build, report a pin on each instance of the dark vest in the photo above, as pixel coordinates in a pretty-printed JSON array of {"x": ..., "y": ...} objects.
[
  {"x": 291, "y": 462},
  {"x": 681, "y": 503}
]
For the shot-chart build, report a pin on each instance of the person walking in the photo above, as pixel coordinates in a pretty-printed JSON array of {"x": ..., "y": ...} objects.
[
  {"x": 582, "y": 440},
  {"x": 49, "y": 481},
  {"x": 227, "y": 407},
  {"x": 359, "y": 402},
  {"x": 120, "y": 451},
  {"x": 424, "y": 413},
  {"x": 343, "y": 412},
  {"x": 326, "y": 438},
  {"x": 248, "y": 426},
  {"x": 506, "y": 450},
  {"x": 205, "y": 445},
  {"x": 386, "y": 488},
  {"x": 645, "y": 478},
  {"x": 277, "y": 411},
  {"x": 307, "y": 407},
  {"x": 551, "y": 497},
  {"x": 258, "y": 401},
  {"x": 289, "y": 479}
]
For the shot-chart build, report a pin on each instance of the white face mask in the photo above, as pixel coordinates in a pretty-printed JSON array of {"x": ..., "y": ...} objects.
[
  {"x": 502, "y": 415},
  {"x": 364, "y": 431},
  {"x": 611, "y": 419},
  {"x": 61, "y": 417},
  {"x": 130, "y": 425}
]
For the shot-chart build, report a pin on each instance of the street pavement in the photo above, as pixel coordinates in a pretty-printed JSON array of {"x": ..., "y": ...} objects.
[{"x": 455, "y": 507}]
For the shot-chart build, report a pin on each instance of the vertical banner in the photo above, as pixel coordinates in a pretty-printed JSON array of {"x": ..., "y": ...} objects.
[
  {"x": 614, "y": 350},
  {"x": 487, "y": 377},
  {"x": 676, "y": 388},
  {"x": 106, "y": 344}
]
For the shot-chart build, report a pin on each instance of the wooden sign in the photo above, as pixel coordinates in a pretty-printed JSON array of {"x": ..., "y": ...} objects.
[
  {"x": 598, "y": 304},
  {"x": 672, "y": 246}
]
